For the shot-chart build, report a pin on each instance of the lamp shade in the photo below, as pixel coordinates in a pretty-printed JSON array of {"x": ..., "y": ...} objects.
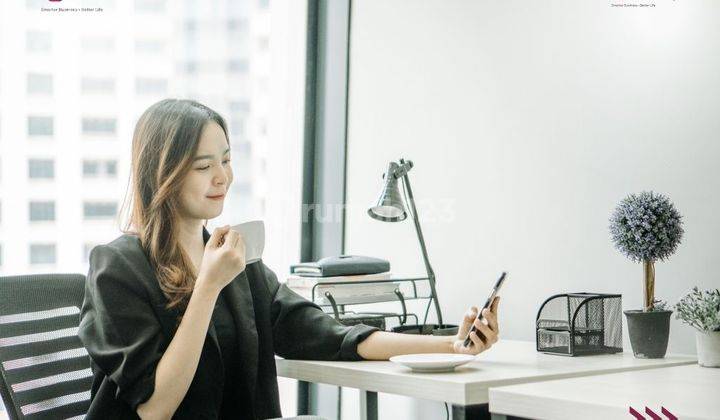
[{"x": 389, "y": 207}]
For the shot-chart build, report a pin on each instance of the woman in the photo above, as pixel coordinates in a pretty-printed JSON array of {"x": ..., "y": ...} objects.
[{"x": 175, "y": 323}]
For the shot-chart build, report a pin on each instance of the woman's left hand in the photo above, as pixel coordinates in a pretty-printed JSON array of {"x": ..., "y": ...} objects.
[{"x": 488, "y": 328}]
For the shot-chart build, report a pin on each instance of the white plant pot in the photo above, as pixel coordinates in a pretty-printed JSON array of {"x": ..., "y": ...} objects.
[{"x": 708, "y": 348}]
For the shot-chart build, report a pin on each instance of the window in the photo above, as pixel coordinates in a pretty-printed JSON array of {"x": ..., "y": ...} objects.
[
  {"x": 99, "y": 210},
  {"x": 238, "y": 66},
  {"x": 42, "y": 211},
  {"x": 95, "y": 126},
  {"x": 99, "y": 168},
  {"x": 148, "y": 86},
  {"x": 42, "y": 254},
  {"x": 91, "y": 168},
  {"x": 237, "y": 24},
  {"x": 39, "y": 84},
  {"x": 41, "y": 169},
  {"x": 190, "y": 67},
  {"x": 97, "y": 85},
  {"x": 40, "y": 126},
  {"x": 190, "y": 27},
  {"x": 111, "y": 168},
  {"x": 36, "y": 41}
]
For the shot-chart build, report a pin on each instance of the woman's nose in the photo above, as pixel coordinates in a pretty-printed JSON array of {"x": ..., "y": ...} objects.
[{"x": 221, "y": 177}]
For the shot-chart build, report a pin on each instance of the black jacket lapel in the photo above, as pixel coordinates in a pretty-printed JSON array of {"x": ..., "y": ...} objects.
[{"x": 241, "y": 305}]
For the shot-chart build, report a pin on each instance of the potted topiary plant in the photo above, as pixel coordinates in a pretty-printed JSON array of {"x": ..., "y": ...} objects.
[
  {"x": 646, "y": 227},
  {"x": 701, "y": 310}
]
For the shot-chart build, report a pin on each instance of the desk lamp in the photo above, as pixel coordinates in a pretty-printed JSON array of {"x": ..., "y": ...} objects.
[{"x": 390, "y": 208}]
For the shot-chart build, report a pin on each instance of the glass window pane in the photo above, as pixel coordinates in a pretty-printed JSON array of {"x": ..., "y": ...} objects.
[
  {"x": 98, "y": 125},
  {"x": 40, "y": 126},
  {"x": 42, "y": 253},
  {"x": 41, "y": 169},
  {"x": 149, "y": 86},
  {"x": 99, "y": 210},
  {"x": 90, "y": 168},
  {"x": 111, "y": 168},
  {"x": 97, "y": 85},
  {"x": 39, "y": 83},
  {"x": 41, "y": 211}
]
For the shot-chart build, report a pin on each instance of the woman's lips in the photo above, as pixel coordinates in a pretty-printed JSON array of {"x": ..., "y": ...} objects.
[{"x": 217, "y": 197}]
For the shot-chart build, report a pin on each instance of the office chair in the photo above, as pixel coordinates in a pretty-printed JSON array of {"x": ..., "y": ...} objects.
[{"x": 44, "y": 368}]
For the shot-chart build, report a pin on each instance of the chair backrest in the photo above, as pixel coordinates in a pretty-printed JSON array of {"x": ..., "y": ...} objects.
[{"x": 44, "y": 368}]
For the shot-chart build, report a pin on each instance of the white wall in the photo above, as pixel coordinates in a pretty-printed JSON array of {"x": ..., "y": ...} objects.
[{"x": 528, "y": 122}]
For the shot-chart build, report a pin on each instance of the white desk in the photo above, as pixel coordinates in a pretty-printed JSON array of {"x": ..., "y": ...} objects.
[
  {"x": 688, "y": 392},
  {"x": 508, "y": 362}
]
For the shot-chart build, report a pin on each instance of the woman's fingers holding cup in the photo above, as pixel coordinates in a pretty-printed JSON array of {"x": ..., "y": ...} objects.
[
  {"x": 216, "y": 239},
  {"x": 230, "y": 239}
]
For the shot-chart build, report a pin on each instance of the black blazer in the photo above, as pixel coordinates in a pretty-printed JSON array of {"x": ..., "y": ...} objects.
[{"x": 126, "y": 328}]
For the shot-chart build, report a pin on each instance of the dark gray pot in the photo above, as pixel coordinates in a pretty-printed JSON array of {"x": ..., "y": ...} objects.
[{"x": 649, "y": 332}]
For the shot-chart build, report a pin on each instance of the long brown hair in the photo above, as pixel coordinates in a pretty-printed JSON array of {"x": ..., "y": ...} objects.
[{"x": 164, "y": 144}]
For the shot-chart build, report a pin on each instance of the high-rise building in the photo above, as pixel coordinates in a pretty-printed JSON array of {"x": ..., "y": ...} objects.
[{"x": 71, "y": 89}]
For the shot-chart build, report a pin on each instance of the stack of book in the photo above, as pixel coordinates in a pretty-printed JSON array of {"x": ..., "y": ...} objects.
[{"x": 347, "y": 291}]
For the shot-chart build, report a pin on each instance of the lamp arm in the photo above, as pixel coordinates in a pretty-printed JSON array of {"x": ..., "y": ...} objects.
[{"x": 428, "y": 268}]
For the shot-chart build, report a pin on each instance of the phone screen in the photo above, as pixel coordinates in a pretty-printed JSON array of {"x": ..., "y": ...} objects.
[{"x": 493, "y": 293}]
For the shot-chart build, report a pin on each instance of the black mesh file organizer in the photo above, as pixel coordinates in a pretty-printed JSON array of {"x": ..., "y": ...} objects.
[{"x": 577, "y": 324}]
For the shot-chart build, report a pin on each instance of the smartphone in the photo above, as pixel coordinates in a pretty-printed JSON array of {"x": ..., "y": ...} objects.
[{"x": 495, "y": 290}]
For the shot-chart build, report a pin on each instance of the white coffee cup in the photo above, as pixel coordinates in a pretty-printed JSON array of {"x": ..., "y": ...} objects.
[{"x": 253, "y": 233}]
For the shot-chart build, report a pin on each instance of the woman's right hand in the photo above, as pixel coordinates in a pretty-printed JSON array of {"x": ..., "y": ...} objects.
[{"x": 223, "y": 260}]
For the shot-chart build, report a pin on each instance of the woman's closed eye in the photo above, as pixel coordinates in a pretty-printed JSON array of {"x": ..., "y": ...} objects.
[{"x": 208, "y": 166}]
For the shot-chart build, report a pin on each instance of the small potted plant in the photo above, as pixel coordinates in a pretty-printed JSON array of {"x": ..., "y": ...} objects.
[
  {"x": 701, "y": 310},
  {"x": 646, "y": 227}
]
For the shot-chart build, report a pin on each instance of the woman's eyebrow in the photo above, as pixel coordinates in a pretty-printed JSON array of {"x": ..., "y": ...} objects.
[{"x": 210, "y": 156}]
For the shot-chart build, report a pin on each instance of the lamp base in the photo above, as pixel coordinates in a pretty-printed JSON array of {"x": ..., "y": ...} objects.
[{"x": 427, "y": 329}]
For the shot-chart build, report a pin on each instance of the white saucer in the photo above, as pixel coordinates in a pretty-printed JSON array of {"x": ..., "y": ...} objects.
[{"x": 432, "y": 362}]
